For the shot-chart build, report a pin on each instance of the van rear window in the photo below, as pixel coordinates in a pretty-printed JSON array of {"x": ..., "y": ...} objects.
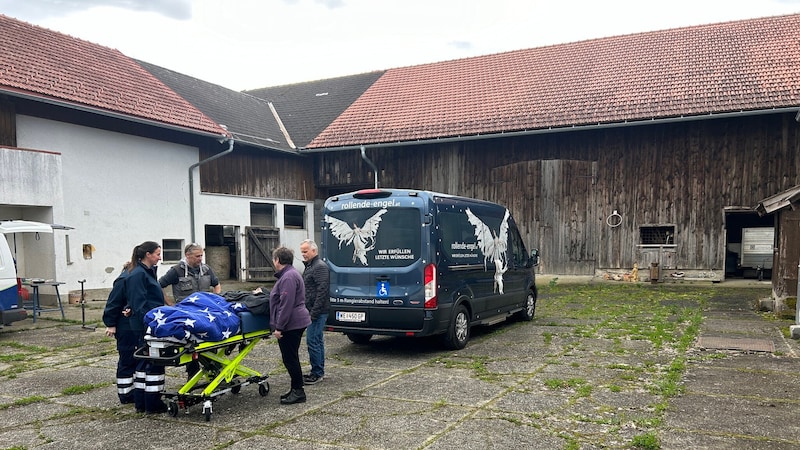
[{"x": 376, "y": 237}]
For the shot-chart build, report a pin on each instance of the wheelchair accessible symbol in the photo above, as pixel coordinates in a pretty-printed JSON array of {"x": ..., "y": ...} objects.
[{"x": 383, "y": 289}]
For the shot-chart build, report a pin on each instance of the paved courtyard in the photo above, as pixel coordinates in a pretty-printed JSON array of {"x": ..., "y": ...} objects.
[{"x": 603, "y": 365}]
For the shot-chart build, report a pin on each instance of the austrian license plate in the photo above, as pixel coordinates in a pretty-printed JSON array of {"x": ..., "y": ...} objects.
[{"x": 350, "y": 316}]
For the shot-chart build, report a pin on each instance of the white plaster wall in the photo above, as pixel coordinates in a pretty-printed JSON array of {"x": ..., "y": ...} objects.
[
  {"x": 30, "y": 189},
  {"x": 118, "y": 190},
  {"x": 234, "y": 210}
]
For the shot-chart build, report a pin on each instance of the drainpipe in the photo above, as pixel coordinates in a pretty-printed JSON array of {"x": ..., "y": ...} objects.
[
  {"x": 374, "y": 169},
  {"x": 191, "y": 180}
]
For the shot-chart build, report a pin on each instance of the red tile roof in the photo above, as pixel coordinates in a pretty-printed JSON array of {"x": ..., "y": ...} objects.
[
  {"x": 44, "y": 63},
  {"x": 734, "y": 66}
]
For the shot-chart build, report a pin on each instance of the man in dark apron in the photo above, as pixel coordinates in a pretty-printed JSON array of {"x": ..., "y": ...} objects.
[{"x": 190, "y": 275}]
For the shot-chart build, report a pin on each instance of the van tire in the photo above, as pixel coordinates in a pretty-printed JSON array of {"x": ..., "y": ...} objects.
[
  {"x": 529, "y": 310},
  {"x": 457, "y": 334},
  {"x": 357, "y": 338}
]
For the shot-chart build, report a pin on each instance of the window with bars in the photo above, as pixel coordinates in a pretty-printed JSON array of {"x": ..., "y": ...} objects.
[{"x": 657, "y": 235}]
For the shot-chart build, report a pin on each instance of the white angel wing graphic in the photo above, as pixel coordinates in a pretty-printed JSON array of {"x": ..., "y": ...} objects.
[
  {"x": 362, "y": 238},
  {"x": 492, "y": 246},
  {"x": 340, "y": 230}
]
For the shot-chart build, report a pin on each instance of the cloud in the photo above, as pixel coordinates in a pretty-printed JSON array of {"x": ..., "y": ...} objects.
[
  {"x": 34, "y": 10},
  {"x": 331, "y": 4},
  {"x": 460, "y": 45}
]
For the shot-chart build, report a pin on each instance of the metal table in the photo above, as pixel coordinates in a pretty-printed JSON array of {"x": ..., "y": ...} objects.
[{"x": 35, "y": 305}]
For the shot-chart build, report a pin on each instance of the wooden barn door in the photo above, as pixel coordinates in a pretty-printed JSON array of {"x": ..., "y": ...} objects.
[
  {"x": 553, "y": 202},
  {"x": 784, "y": 272},
  {"x": 260, "y": 243},
  {"x": 568, "y": 215}
]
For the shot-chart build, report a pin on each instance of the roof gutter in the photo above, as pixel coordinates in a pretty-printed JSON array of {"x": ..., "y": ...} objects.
[
  {"x": 104, "y": 112},
  {"x": 598, "y": 126},
  {"x": 191, "y": 180}
]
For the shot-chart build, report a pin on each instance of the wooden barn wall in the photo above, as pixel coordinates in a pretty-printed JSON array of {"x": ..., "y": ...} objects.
[
  {"x": 258, "y": 173},
  {"x": 562, "y": 187},
  {"x": 784, "y": 274}
]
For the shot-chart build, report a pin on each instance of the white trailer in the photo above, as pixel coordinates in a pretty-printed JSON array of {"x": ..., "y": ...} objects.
[{"x": 757, "y": 249}]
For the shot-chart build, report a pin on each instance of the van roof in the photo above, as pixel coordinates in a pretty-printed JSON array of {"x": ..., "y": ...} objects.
[{"x": 387, "y": 192}]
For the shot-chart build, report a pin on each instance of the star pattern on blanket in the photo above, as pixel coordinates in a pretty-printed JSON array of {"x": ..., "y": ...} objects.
[{"x": 203, "y": 316}]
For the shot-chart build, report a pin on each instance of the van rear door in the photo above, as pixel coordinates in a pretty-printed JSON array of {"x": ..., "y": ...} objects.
[{"x": 374, "y": 251}]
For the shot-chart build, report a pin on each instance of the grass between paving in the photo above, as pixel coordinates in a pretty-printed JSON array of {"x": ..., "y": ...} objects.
[
  {"x": 647, "y": 329},
  {"x": 609, "y": 355}
]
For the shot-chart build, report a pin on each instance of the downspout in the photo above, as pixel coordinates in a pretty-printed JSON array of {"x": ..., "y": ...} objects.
[
  {"x": 374, "y": 169},
  {"x": 191, "y": 181}
]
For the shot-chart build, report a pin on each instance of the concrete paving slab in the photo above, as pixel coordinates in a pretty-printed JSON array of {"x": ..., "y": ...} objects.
[
  {"x": 531, "y": 400},
  {"x": 746, "y": 362},
  {"x": 365, "y": 423},
  {"x": 763, "y": 384},
  {"x": 735, "y": 416},
  {"x": 47, "y": 382},
  {"x": 691, "y": 439},
  {"x": 752, "y": 327},
  {"x": 498, "y": 432},
  {"x": 155, "y": 433},
  {"x": 435, "y": 385}
]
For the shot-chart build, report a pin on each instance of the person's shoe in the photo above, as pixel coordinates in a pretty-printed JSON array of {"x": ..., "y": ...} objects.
[
  {"x": 283, "y": 397},
  {"x": 160, "y": 409},
  {"x": 311, "y": 379},
  {"x": 295, "y": 396}
]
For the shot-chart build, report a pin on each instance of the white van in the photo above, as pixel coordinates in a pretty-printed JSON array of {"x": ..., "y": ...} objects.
[{"x": 10, "y": 309}]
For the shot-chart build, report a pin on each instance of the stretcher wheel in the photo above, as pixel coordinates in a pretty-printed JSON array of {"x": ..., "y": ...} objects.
[
  {"x": 172, "y": 409},
  {"x": 207, "y": 410},
  {"x": 263, "y": 389},
  {"x": 236, "y": 388}
]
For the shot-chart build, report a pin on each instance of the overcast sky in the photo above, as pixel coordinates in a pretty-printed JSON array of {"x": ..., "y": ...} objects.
[{"x": 248, "y": 44}]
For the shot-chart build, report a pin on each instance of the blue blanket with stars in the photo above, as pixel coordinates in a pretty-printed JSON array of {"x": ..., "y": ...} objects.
[{"x": 201, "y": 317}]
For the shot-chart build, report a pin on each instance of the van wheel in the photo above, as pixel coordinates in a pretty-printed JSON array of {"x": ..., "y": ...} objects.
[
  {"x": 457, "y": 334},
  {"x": 530, "y": 308},
  {"x": 359, "y": 338}
]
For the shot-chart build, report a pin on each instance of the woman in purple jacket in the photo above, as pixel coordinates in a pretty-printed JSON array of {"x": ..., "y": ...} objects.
[{"x": 288, "y": 318}]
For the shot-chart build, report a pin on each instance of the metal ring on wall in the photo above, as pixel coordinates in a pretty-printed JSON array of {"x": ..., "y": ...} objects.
[{"x": 614, "y": 219}]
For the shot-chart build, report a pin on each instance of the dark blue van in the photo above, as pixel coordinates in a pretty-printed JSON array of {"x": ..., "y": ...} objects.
[{"x": 418, "y": 263}]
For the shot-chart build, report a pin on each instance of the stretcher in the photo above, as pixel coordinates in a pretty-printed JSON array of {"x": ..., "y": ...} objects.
[{"x": 221, "y": 369}]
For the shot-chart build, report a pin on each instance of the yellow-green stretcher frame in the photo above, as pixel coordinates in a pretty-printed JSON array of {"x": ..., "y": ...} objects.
[{"x": 223, "y": 372}]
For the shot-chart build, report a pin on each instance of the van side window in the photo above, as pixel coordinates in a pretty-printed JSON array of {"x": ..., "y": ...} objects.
[
  {"x": 517, "y": 250},
  {"x": 459, "y": 244}
]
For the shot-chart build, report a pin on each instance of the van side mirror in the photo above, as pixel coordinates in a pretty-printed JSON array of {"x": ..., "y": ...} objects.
[{"x": 534, "y": 257}]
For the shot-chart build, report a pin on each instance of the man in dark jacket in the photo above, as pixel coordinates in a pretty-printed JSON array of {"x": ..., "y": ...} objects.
[{"x": 316, "y": 279}]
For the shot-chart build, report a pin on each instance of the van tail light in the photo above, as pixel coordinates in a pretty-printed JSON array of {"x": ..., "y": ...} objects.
[{"x": 431, "y": 298}]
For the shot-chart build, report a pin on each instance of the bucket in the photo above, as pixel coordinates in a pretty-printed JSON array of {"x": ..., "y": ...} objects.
[{"x": 74, "y": 298}]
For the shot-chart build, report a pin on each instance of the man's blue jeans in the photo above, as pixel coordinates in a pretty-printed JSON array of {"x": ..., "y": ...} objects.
[{"x": 316, "y": 345}]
